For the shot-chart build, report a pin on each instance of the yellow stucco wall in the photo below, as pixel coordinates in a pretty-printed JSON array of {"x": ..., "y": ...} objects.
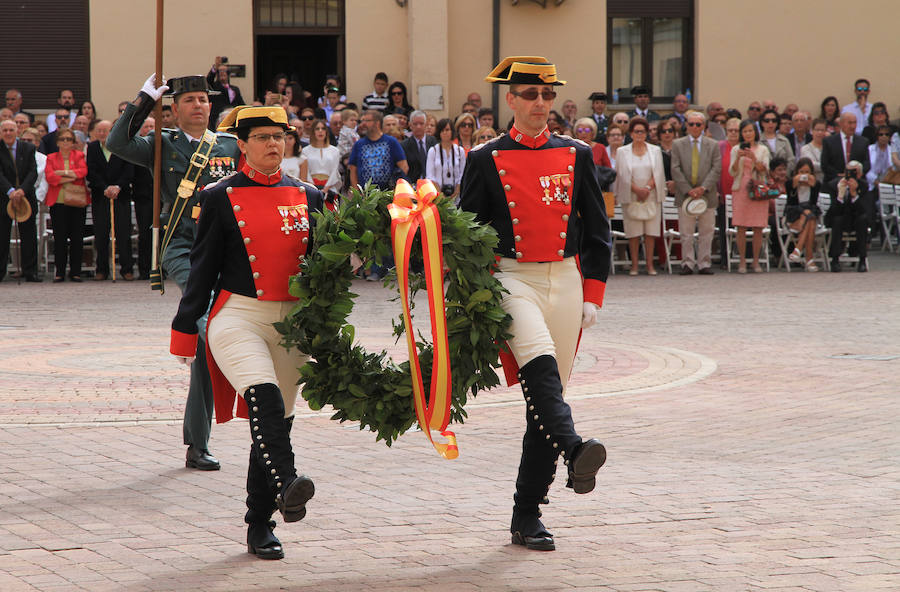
[
  {"x": 794, "y": 55},
  {"x": 123, "y": 42},
  {"x": 801, "y": 52}
]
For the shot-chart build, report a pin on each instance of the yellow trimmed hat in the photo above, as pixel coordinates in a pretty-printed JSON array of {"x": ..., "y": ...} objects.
[
  {"x": 524, "y": 70},
  {"x": 246, "y": 116}
]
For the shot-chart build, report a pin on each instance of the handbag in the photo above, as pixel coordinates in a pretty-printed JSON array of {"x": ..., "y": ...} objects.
[
  {"x": 760, "y": 191},
  {"x": 76, "y": 196},
  {"x": 642, "y": 210},
  {"x": 892, "y": 177}
]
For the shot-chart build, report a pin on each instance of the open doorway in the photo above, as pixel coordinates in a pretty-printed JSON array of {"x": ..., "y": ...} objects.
[{"x": 306, "y": 59}]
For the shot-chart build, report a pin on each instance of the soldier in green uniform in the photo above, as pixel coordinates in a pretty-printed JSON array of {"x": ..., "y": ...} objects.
[{"x": 191, "y": 110}]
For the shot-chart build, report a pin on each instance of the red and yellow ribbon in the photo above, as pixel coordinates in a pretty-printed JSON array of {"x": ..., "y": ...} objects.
[{"x": 411, "y": 211}]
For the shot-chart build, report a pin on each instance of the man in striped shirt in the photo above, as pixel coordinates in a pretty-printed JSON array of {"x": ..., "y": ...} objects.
[{"x": 377, "y": 100}]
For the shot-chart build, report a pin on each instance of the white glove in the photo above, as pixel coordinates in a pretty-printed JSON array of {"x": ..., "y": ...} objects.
[
  {"x": 588, "y": 314},
  {"x": 186, "y": 361},
  {"x": 152, "y": 90}
]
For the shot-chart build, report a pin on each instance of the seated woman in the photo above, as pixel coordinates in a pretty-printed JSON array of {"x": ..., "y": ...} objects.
[{"x": 802, "y": 212}]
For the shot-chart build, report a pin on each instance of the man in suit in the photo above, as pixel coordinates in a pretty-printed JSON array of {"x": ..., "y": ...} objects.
[
  {"x": 14, "y": 102},
  {"x": 110, "y": 178},
  {"x": 850, "y": 206},
  {"x": 641, "y": 95},
  {"x": 191, "y": 110},
  {"x": 598, "y": 106},
  {"x": 18, "y": 175},
  {"x": 416, "y": 146},
  {"x": 219, "y": 79},
  {"x": 696, "y": 166}
]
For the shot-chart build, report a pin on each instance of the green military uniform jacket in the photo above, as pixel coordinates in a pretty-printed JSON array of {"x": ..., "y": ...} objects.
[{"x": 177, "y": 150}]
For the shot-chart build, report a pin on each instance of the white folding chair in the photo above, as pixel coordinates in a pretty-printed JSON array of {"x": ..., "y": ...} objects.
[
  {"x": 785, "y": 234},
  {"x": 887, "y": 199},
  {"x": 671, "y": 233}
]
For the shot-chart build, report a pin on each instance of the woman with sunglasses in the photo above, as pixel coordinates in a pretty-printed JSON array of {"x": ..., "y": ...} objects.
[
  {"x": 640, "y": 180},
  {"x": 484, "y": 134},
  {"x": 446, "y": 161},
  {"x": 586, "y": 131},
  {"x": 749, "y": 165},
  {"x": 465, "y": 131},
  {"x": 63, "y": 170},
  {"x": 877, "y": 118},
  {"x": 778, "y": 145},
  {"x": 399, "y": 103},
  {"x": 323, "y": 160}
]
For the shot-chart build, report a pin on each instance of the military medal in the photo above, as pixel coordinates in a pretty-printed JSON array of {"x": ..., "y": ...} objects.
[
  {"x": 545, "y": 183},
  {"x": 292, "y": 218}
]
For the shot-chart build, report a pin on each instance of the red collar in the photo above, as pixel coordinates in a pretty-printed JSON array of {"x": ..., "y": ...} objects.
[
  {"x": 529, "y": 141},
  {"x": 259, "y": 177}
]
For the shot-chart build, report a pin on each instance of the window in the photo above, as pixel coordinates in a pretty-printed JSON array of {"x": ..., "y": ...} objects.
[
  {"x": 299, "y": 13},
  {"x": 650, "y": 43}
]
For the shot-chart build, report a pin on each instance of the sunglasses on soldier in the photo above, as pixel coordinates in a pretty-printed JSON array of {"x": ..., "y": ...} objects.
[{"x": 531, "y": 94}]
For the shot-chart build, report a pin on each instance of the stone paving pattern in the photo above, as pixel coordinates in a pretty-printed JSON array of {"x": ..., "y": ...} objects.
[{"x": 742, "y": 455}]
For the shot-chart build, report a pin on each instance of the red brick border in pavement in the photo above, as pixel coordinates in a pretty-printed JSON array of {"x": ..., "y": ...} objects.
[{"x": 743, "y": 455}]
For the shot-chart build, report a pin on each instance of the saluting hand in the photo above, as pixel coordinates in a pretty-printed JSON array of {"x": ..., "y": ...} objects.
[{"x": 153, "y": 91}]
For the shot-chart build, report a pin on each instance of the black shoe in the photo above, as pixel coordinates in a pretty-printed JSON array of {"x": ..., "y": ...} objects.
[
  {"x": 686, "y": 270},
  {"x": 201, "y": 460},
  {"x": 58, "y": 279},
  {"x": 835, "y": 266},
  {"x": 528, "y": 530},
  {"x": 862, "y": 267},
  {"x": 292, "y": 502},
  {"x": 76, "y": 279},
  {"x": 706, "y": 271},
  {"x": 262, "y": 542},
  {"x": 33, "y": 279},
  {"x": 586, "y": 461}
]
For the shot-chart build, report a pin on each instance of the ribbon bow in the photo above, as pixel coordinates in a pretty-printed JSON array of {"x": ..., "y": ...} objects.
[{"x": 410, "y": 211}]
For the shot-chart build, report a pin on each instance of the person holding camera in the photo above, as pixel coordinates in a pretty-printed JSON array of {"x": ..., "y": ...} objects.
[
  {"x": 802, "y": 211},
  {"x": 446, "y": 160},
  {"x": 845, "y": 162},
  {"x": 219, "y": 79},
  {"x": 749, "y": 165}
]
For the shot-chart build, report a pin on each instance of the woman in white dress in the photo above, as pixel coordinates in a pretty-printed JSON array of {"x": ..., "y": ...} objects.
[
  {"x": 323, "y": 160},
  {"x": 641, "y": 189}
]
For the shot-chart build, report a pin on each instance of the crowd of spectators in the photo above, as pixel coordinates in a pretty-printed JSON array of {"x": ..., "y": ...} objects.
[{"x": 339, "y": 144}]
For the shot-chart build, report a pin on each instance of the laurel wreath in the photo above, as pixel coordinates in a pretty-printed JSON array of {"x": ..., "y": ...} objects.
[{"x": 369, "y": 387}]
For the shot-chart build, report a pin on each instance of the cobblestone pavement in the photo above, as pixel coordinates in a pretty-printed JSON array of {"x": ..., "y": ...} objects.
[{"x": 751, "y": 423}]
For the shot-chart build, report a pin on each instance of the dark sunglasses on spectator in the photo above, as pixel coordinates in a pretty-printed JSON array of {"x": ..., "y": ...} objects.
[
  {"x": 396, "y": 92},
  {"x": 666, "y": 130},
  {"x": 58, "y": 140},
  {"x": 531, "y": 94},
  {"x": 698, "y": 124},
  {"x": 885, "y": 134},
  {"x": 582, "y": 130},
  {"x": 862, "y": 88},
  {"x": 306, "y": 117},
  {"x": 467, "y": 124},
  {"x": 768, "y": 120},
  {"x": 753, "y": 108}
]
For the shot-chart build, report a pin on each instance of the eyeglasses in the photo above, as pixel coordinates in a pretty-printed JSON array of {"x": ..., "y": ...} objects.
[
  {"x": 638, "y": 130},
  {"x": 306, "y": 117},
  {"x": 66, "y": 139},
  {"x": 698, "y": 124},
  {"x": 397, "y": 92},
  {"x": 583, "y": 130},
  {"x": 754, "y": 108},
  {"x": 768, "y": 120},
  {"x": 264, "y": 138},
  {"x": 531, "y": 94},
  {"x": 466, "y": 124},
  {"x": 666, "y": 130},
  {"x": 485, "y": 138},
  {"x": 862, "y": 88},
  {"x": 886, "y": 135}
]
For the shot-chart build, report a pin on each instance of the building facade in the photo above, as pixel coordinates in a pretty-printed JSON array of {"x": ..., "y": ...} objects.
[{"x": 722, "y": 50}]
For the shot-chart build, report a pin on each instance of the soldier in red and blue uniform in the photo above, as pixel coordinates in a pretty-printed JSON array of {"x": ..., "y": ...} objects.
[
  {"x": 540, "y": 193},
  {"x": 254, "y": 229}
]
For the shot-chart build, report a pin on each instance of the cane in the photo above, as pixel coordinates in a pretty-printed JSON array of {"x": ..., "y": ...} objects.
[
  {"x": 112, "y": 235},
  {"x": 18, "y": 250}
]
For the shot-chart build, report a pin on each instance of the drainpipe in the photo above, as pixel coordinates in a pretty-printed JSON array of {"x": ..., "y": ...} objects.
[{"x": 495, "y": 89}]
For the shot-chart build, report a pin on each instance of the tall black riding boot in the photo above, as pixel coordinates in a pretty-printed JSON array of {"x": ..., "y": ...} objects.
[
  {"x": 274, "y": 455},
  {"x": 261, "y": 541}
]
